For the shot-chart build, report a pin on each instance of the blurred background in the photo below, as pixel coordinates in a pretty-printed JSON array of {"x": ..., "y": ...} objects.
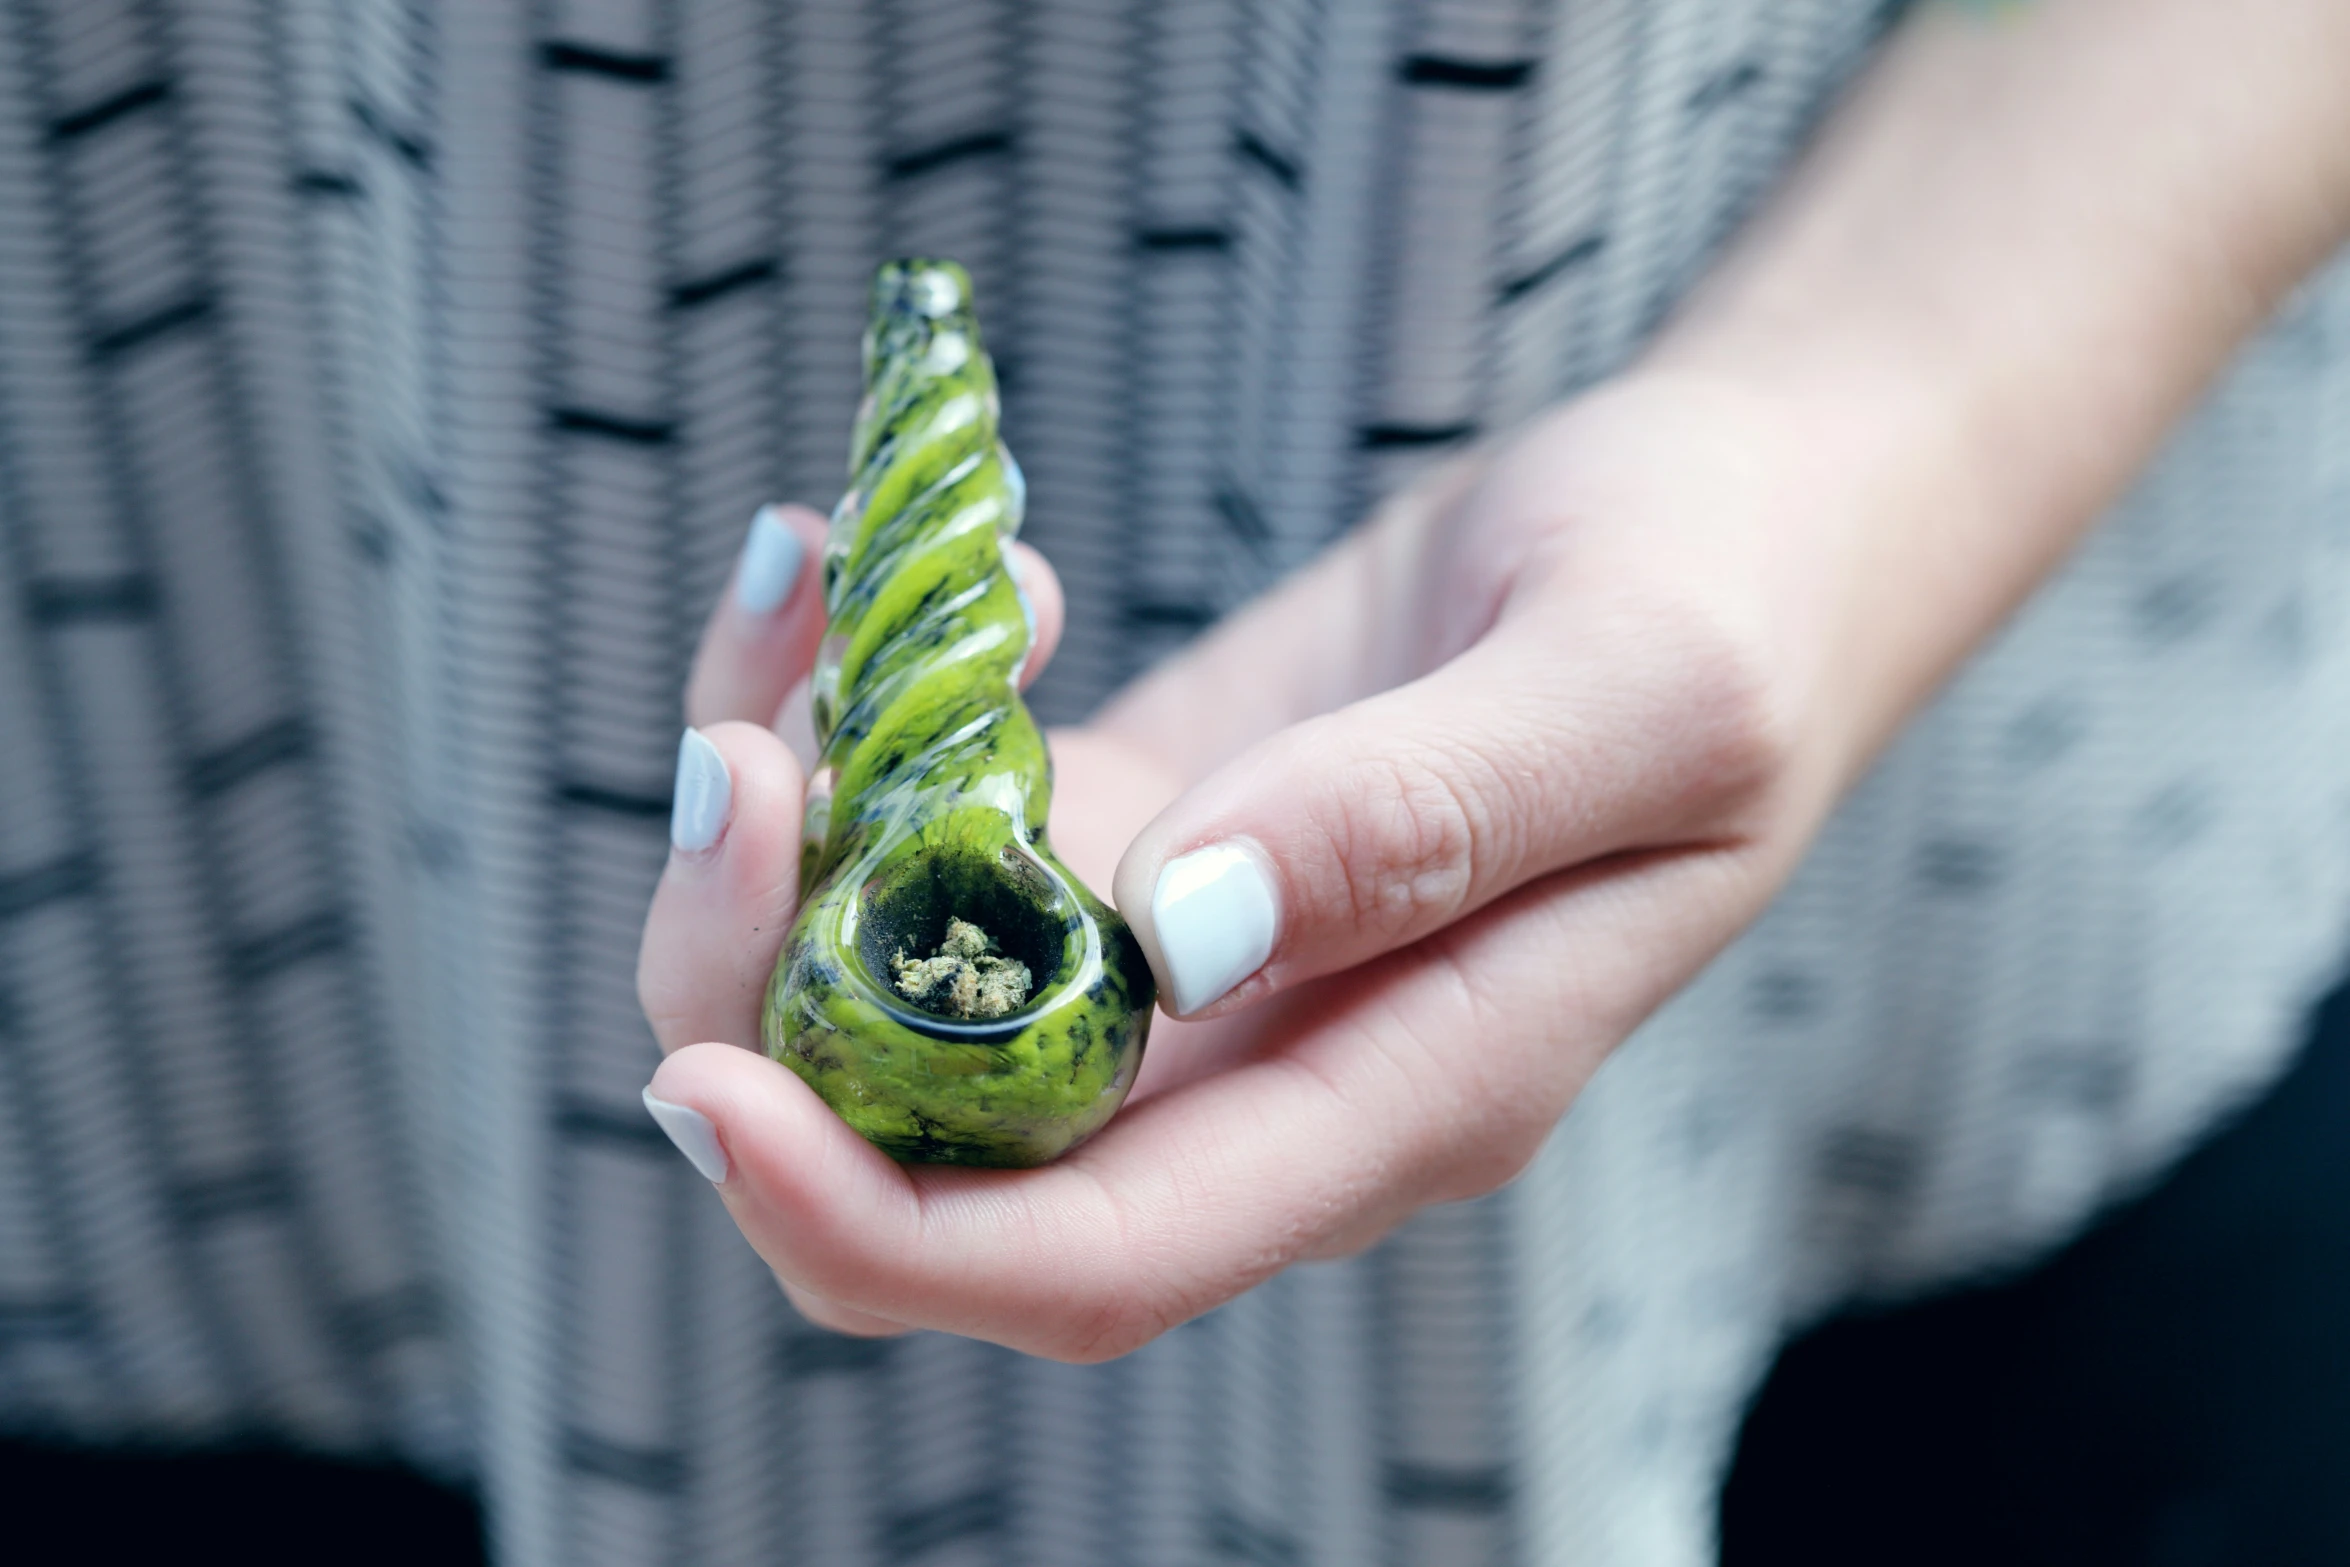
[
  {"x": 2171, "y": 1390},
  {"x": 384, "y": 388}
]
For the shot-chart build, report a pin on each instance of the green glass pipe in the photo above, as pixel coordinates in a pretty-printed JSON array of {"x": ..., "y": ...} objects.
[{"x": 927, "y": 804}]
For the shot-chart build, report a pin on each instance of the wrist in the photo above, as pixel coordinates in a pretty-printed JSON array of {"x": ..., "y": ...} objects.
[{"x": 2002, "y": 274}]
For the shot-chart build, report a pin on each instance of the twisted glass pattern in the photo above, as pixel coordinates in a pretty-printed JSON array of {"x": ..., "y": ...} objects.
[{"x": 929, "y": 797}]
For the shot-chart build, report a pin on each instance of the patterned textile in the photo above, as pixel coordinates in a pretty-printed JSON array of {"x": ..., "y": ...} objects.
[{"x": 384, "y": 387}]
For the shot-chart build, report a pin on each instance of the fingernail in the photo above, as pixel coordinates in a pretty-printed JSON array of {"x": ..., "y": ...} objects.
[
  {"x": 770, "y": 564},
  {"x": 1215, "y": 915},
  {"x": 693, "y": 1132},
  {"x": 698, "y": 806}
]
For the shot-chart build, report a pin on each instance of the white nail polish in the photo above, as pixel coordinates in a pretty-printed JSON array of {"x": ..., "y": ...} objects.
[
  {"x": 1215, "y": 916},
  {"x": 693, "y": 1132},
  {"x": 703, "y": 794},
  {"x": 772, "y": 557}
]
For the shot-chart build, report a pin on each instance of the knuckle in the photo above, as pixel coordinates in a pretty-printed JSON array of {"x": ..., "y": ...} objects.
[
  {"x": 656, "y": 993},
  {"x": 1736, "y": 731},
  {"x": 1407, "y": 836},
  {"x": 1505, "y": 1141},
  {"x": 1490, "y": 1138},
  {"x": 1487, "y": 1110},
  {"x": 1107, "y": 1325},
  {"x": 1750, "y": 733},
  {"x": 664, "y": 984},
  {"x": 1123, "y": 1301}
]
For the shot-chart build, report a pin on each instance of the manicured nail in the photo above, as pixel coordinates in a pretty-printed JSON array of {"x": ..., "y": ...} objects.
[
  {"x": 1215, "y": 915},
  {"x": 696, "y": 1137},
  {"x": 770, "y": 564},
  {"x": 698, "y": 805}
]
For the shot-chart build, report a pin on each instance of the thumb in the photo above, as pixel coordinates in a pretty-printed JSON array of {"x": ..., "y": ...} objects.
[{"x": 1366, "y": 829}]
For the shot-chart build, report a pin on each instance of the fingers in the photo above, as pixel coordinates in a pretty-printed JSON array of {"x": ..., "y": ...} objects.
[
  {"x": 1431, "y": 1078},
  {"x": 1368, "y": 829},
  {"x": 1104, "y": 792},
  {"x": 729, "y": 891},
  {"x": 1040, "y": 592},
  {"x": 761, "y": 638}
]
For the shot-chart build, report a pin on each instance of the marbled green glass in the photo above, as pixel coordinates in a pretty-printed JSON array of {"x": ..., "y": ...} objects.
[{"x": 928, "y": 801}]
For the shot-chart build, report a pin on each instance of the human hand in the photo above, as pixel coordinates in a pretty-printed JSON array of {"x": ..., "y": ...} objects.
[
  {"x": 1515, "y": 759},
  {"x": 1510, "y": 764}
]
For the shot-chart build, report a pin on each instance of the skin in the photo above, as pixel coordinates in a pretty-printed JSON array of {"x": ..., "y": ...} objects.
[
  {"x": 1544, "y": 734},
  {"x": 934, "y": 783}
]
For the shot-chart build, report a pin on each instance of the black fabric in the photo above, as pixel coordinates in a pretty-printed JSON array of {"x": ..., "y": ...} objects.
[
  {"x": 87, "y": 1508},
  {"x": 2173, "y": 1390}
]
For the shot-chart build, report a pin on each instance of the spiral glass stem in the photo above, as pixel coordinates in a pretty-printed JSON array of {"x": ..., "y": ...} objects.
[{"x": 927, "y": 806}]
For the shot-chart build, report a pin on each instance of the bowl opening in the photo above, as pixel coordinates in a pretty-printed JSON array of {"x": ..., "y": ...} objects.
[{"x": 1025, "y": 914}]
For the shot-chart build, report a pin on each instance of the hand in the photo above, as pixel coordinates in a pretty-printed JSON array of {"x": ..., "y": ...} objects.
[{"x": 1513, "y": 762}]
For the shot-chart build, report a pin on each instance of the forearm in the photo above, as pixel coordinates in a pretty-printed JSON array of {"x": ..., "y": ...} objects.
[{"x": 2011, "y": 263}]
